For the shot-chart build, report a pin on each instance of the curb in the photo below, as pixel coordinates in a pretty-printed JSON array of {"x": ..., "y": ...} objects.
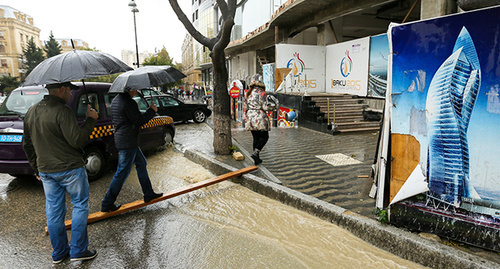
[{"x": 394, "y": 240}]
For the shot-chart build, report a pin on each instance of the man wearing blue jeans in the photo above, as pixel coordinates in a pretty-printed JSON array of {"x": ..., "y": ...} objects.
[
  {"x": 128, "y": 121},
  {"x": 52, "y": 142}
]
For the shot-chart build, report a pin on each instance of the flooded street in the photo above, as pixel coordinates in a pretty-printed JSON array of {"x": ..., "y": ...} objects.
[{"x": 221, "y": 226}]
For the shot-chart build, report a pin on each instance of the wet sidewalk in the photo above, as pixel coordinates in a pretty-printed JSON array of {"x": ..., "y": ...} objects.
[{"x": 335, "y": 169}]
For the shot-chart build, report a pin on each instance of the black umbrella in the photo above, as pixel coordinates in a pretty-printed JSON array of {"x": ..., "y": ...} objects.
[
  {"x": 145, "y": 77},
  {"x": 75, "y": 65}
]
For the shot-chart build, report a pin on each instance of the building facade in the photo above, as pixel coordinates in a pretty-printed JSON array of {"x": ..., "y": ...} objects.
[
  {"x": 130, "y": 57},
  {"x": 16, "y": 29},
  {"x": 66, "y": 45},
  {"x": 193, "y": 76},
  {"x": 205, "y": 16}
]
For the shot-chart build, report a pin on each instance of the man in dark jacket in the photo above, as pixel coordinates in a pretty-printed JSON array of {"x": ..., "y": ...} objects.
[
  {"x": 128, "y": 121},
  {"x": 52, "y": 142}
]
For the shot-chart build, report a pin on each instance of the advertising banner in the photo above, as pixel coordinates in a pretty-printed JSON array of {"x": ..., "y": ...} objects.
[
  {"x": 445, "y": 120},
  {"x": 268, "y": 76},
  {"x": 347, "y": 67},
  {"x": 379, "y": 56},
  {"x": 307, "y": 63}
]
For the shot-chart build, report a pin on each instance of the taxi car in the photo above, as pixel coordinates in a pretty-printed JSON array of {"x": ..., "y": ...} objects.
[{"x": 99, "y": 150}]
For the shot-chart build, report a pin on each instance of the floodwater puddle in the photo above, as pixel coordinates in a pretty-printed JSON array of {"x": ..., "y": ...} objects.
[{"x": 228, "y": 226}]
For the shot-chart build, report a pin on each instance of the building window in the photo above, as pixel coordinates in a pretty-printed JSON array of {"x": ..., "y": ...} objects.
[
  {"x": 2, "y": 35},
  {"x": 4, "y": 63},
  {"x": 22, "y": 38},
  {"x": 2, "y": 49},
  {"x": 65, "y": 43}
]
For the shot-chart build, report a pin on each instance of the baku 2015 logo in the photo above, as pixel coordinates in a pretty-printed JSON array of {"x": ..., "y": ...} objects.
[
  {"x": 346, "y": 65},
  {"x": 296, "y": 64}
]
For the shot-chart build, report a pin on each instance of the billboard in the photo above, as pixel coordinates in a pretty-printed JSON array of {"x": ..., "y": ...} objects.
[
  {"x": 379, "y": 57},
  {"x": 307, "y": 63},
  {"x": 347, "y": 67},
  {"x": 445, "y": 119}
]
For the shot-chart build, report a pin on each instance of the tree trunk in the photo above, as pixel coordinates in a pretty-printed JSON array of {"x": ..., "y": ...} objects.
[{"x": 221, "y": 108}]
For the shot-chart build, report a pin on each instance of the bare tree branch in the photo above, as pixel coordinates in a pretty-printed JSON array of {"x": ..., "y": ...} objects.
[
  {"x": 208, "y": 42},
  {"x": 222, "y": 6}
]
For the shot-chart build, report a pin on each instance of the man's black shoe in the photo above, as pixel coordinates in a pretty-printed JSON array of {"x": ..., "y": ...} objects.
[
  {"x": 88, "y": 255},
  {"x": 62, "y": 259},
  {"x": 111, "y": 208},
  {"x": 148, "y": 199}
]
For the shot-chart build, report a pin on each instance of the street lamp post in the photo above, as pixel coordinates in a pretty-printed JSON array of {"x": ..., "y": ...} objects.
[{"x": 134, "y": 9}]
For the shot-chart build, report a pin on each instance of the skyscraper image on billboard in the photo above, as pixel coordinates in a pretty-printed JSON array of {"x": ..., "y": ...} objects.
[{"x": 450, "y": 100}]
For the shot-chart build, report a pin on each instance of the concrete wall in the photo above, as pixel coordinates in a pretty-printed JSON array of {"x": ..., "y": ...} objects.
[{"x": 242, "y": 66}]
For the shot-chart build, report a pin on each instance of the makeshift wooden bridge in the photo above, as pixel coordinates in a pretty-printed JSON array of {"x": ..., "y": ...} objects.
[{"x": 138, "y": 204}]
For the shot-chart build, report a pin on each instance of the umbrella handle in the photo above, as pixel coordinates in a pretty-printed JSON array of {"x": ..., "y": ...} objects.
[
  {"x": 146, "y": 101},
  {"x": 86, "y": 94},
  {"x": 143, "y": 98}
]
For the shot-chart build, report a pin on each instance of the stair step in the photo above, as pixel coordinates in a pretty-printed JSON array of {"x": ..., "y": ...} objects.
[
  {"x": 346, "y": 119},
  {"x": 365, "y": 123},
  {"x": 336, "y": 101},
  {"x": 345, "y": 113},
  {"x": 343, "y": 108},
  {"x": 371, "y": 129}
]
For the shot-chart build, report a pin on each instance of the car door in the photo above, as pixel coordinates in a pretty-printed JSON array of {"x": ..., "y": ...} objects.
[
  {"x": 152, "y": 132},
  {"x": 173, "y": 108}
]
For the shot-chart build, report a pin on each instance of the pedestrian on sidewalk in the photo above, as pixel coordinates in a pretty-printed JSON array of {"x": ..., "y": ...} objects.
[
  {"x": 257, "y": 121},
  {"x": 52, "y": 142},
  {"x": 128, "y": 121}
]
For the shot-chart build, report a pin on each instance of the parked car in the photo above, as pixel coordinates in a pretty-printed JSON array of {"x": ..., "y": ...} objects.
[
  {"x": 173, "y": 107},
  {"x": 153, "y": 92},
  {"x": 99, "y": 150}
]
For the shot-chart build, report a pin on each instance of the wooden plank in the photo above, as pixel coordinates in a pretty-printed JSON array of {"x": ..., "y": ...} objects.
[{"x": 140, "y": 203}]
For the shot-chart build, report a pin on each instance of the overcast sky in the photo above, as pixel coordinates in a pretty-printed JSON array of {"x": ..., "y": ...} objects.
[{"x": 108, "y": 25}]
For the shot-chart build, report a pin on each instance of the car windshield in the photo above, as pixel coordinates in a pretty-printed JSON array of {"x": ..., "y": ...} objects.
[
  {"x": 20, "y": 101},
  {"x": 149, "y": 92}
]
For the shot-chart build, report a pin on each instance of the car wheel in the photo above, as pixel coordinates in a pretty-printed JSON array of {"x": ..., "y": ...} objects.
[
  {"x": 199, "y": 116},
  {"x": 95, "y": 162},
  {"x": 169, "y": 137}
]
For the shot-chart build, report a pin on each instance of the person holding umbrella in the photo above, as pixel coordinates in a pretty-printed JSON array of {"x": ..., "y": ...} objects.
[
  {"x": 128, "y": 121},
  {"x": 52, "y": 142}
]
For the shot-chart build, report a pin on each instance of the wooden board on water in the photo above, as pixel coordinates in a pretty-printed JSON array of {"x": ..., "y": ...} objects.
[{"x": 138, "y": 204}]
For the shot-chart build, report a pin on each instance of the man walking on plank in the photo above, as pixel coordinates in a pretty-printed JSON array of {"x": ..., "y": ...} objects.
[{"x": 128, "y": 120}]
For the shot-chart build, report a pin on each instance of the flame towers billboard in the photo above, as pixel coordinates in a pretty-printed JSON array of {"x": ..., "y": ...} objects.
[
  {"x": 450, "y": 100},
  {"x": 444, "y": 85}
]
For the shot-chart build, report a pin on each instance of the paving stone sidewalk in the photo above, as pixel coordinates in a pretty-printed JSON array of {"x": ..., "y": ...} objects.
[{"x": 333, "y": 168}]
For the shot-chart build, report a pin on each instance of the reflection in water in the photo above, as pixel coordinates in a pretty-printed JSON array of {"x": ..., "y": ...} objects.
[
  {"x": 233, "y": 227},
  {"x": 7, "y": 184}
]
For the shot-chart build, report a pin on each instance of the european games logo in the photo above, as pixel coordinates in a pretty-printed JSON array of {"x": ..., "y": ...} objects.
[
  {"x": 296, "y": 64},
  {"x": 346, "y": 65}
]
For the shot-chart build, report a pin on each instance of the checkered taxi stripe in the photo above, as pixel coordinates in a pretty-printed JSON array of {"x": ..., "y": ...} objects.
[
  {"x": 102, "y": 131},
  {"x": 157, "y": 122}
]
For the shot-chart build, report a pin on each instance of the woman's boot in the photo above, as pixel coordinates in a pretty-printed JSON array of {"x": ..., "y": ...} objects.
[{"x": 255, "y": 156}]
